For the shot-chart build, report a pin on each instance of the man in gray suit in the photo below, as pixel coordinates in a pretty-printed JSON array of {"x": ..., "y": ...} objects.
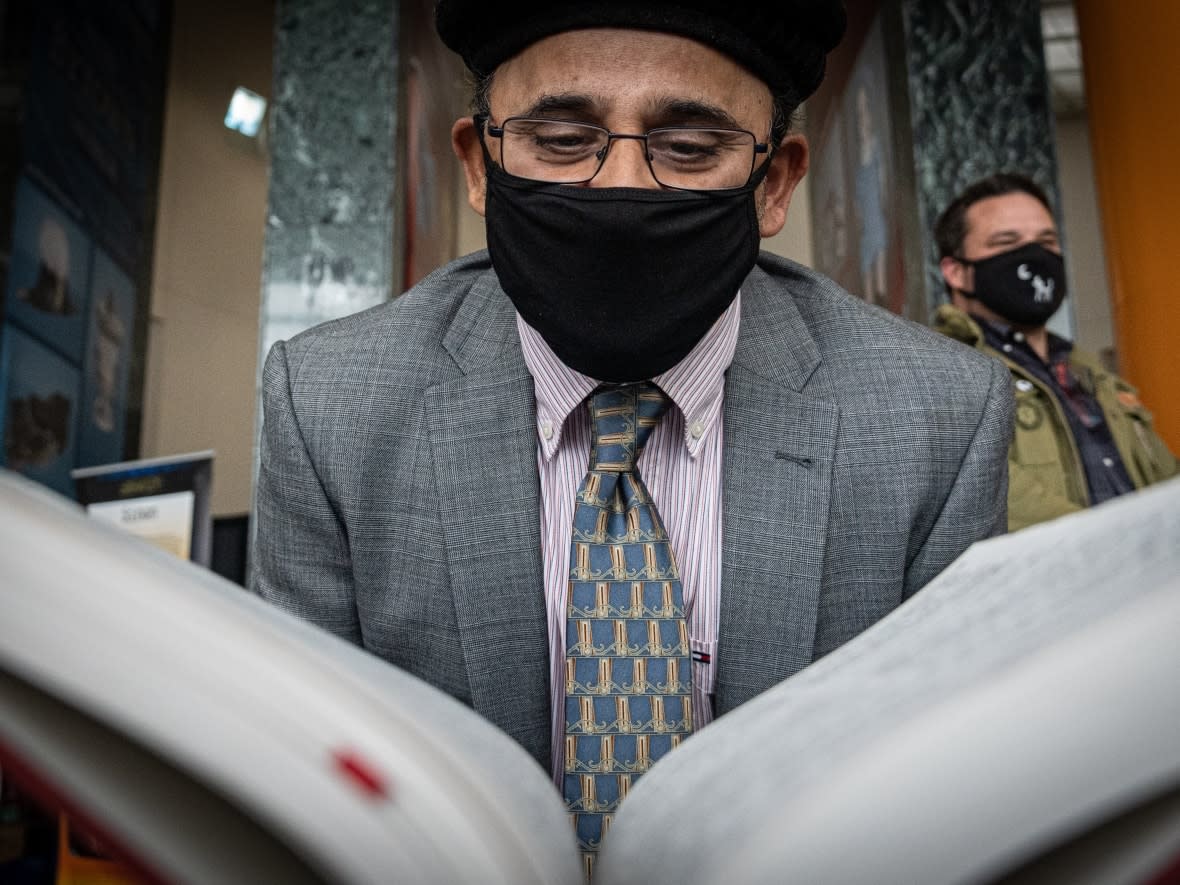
[{"x": 821, "y": 460}]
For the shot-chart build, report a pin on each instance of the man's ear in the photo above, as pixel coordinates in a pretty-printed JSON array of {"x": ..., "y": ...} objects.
[
  {"x": 787, "y": 168},
  {"x": 956, "y": 274},
  {"x": 465, "y": 144}
]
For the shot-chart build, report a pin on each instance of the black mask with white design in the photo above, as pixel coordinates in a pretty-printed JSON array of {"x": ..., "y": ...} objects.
[{"x": 1025, "y": 285}]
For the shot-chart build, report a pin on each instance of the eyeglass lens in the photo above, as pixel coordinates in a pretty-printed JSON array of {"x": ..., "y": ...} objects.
[{"x": 563, "y": 152}]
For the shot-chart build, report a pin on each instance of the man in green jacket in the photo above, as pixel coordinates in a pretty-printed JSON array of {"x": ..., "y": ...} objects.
[{"x": 1082, "y": 435}]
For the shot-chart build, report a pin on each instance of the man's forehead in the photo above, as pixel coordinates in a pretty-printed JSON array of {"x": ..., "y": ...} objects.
[
  {"x": 1018, "y": 211},
  {"x": 597, "y": 71}
]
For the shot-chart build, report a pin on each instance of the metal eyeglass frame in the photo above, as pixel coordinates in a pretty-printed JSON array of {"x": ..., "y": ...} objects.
[{"x": 760, "y": 147}]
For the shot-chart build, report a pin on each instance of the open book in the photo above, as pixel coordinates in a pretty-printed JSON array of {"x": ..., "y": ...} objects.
[{"x": 1020, "y": 712}]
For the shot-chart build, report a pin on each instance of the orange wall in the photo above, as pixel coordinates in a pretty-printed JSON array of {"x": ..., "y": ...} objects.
[{"x": 1132, "y": 70}]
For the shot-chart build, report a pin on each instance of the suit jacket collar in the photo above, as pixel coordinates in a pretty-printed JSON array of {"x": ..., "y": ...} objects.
[
  {"x": 774, "y": 343},
  {"x": 483, "y": 334}
]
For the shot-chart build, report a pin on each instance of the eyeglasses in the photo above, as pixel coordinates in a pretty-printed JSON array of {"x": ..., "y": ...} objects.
[{"x": 681, "y": 157}]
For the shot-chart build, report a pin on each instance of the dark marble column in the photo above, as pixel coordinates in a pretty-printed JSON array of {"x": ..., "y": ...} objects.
[
  {"x": 979, "y": 103},
  {"x": 332, "y": 143}
]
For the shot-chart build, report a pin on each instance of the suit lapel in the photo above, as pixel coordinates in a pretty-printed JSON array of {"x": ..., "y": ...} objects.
[
  {"x": 779, "y": 450},
  {"x": 483, "y": 437}
]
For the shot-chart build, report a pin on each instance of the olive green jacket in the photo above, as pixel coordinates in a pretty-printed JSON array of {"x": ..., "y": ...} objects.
[{"x": 1046, "y": 478}]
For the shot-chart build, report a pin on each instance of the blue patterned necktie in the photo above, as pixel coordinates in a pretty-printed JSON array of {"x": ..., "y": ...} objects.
[{"x": 628, "y": 671}]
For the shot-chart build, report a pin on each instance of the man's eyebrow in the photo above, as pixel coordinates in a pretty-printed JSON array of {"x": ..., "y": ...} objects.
[
  {"x": 679, "y": 111},
  {"x": 564, "y": 102},
  {"x": 665, "y": 112},
  {"x": 1005, "y": 235}
]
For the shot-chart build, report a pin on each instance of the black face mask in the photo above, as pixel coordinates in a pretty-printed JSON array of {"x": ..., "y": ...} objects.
[
  {"x": 620, "y": 282},
  {"x": 1025, "y": 286}
]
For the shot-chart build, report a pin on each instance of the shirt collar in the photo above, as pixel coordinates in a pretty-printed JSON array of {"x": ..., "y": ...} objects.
[
  {"x": 696, "y": 384},
  {"x": 997, "y": 332}
]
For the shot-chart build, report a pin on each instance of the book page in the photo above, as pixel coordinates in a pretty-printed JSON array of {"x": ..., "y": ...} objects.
[
  {"x": 370, "y": 774},
  {"x": 1067, "y": 632}
]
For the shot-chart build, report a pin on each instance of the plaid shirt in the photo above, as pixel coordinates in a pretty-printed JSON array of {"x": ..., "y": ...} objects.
[{"x": 1106, "y": 477}]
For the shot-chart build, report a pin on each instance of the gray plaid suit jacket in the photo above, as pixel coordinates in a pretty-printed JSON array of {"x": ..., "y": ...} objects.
[{"x": 397, "y": 500}]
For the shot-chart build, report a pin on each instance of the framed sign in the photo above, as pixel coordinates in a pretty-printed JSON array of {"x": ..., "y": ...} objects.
[{"x": 165, "y": 501}]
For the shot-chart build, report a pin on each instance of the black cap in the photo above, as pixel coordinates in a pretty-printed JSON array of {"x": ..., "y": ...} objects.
[{"x": 784, "y": 43}]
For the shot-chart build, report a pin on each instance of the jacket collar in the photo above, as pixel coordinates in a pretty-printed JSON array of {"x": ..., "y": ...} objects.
[{"x": 954, "y": 323}]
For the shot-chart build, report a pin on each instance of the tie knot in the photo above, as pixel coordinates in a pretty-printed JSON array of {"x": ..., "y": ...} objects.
[{"x": 621, "y": 420}]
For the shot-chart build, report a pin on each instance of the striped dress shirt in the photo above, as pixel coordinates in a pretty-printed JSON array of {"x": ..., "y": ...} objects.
[{"x": 681, "y": 466}]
